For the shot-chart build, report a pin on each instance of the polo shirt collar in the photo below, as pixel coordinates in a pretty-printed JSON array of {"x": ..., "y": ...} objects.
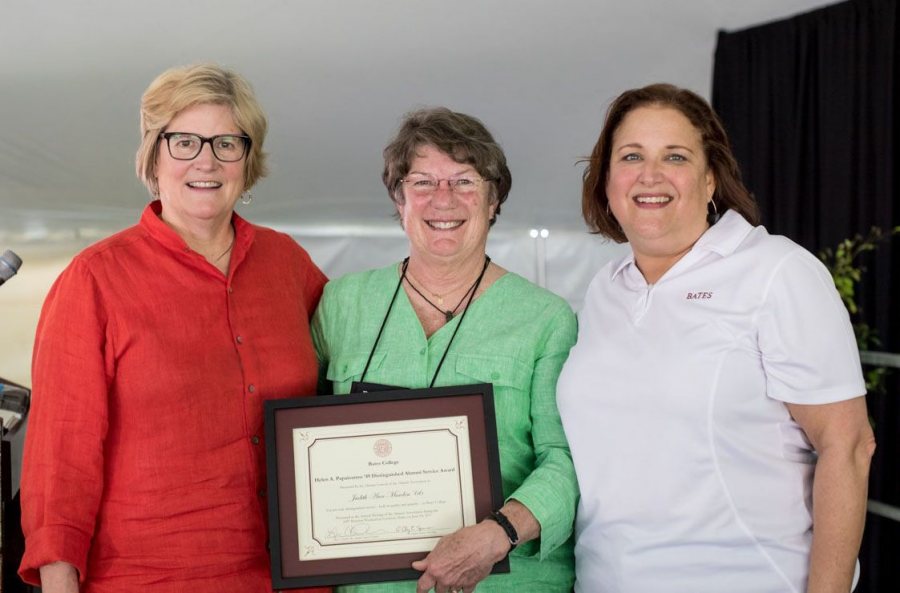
[
  {"x": 722, "y": 238},
  {"x": 624, "y": 262},
  {"x": 726, "y": 235}
]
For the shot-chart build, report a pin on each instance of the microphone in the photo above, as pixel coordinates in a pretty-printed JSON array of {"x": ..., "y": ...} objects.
[{"x": 9, "y": 265}]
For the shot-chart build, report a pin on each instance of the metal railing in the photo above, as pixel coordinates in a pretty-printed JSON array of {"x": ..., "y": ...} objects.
[{"x": 880, "y": 359}]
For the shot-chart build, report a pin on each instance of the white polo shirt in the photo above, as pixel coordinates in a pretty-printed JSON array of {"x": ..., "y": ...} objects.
[{"x": 693, "y": 476}]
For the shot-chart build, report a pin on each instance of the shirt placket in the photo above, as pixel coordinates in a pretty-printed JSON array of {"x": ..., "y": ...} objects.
[{"x": 250, "y": 384}]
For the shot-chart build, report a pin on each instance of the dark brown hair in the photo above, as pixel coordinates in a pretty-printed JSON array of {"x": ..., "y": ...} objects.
[
  {"x": 730, "y": 191},
  {"x": 462, "y": 137}
]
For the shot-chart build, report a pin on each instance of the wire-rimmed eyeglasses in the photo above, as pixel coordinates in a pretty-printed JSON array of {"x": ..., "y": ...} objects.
[
  {"x": 227, "y": 148},
  {"x": 425, "y": 185}
]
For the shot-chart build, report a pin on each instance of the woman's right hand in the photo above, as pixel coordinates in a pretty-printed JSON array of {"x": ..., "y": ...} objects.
[{"x": 59, "y": 577}]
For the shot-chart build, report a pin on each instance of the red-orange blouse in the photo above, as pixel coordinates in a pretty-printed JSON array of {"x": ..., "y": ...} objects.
[{"x": 144, "y": 461}]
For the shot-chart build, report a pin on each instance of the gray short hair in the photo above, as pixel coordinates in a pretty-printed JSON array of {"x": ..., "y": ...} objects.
[{"x": 462, "y": 137}]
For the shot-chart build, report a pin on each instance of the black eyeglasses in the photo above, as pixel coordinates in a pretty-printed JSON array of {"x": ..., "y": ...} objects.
[{"x": 227, "y": 148}]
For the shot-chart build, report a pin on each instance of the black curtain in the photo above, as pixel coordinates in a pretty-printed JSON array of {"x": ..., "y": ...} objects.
[{"x": 811, "y": 106}]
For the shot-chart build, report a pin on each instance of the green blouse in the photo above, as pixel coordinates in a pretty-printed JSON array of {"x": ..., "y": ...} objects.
[{"x": 515, "y": 336}]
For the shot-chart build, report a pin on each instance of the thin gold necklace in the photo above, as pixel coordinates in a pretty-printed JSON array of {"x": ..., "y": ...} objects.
[
  {"x": 230, "y": 245},
  {"x": 438, "y": 297}
]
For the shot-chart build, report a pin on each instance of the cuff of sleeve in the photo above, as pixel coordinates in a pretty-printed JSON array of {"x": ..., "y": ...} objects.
[
  {"x": 54, "y": 544},
  {"x": 821, "y": 396},
  {"x": 554, "y": 512}
]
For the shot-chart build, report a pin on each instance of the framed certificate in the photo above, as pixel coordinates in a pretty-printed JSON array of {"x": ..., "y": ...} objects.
[{"x": 362, "y": 485}]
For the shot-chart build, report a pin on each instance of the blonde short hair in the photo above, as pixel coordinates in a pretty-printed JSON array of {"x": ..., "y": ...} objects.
[{"x": 179, "y": 88}]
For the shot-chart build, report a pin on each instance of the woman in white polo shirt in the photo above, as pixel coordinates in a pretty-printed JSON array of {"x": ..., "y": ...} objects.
[{"x": 714, "y": 400}]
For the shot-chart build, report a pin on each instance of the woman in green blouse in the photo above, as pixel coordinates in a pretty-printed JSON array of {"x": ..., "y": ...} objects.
[{"x": 462, "y": 319}]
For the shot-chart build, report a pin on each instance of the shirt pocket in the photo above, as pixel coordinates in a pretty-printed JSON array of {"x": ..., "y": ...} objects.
[
  {"x": 343, "y": 370},
  {"x": 511, "y": 381},
  {"x": 512, "y": 387},
  {"x": 501, "y": 371}
]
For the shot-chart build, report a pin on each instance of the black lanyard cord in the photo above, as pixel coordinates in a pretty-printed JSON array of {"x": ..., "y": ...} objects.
[
  {"x": 386, "y": 315},
  {"x": 487, "y": 261}
]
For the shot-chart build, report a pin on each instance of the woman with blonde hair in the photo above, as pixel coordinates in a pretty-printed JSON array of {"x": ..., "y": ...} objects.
[{"x": 144, "y": 464}]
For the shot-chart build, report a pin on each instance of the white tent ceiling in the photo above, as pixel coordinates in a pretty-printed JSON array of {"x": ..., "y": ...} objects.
[{"x": 334, "y": 77}]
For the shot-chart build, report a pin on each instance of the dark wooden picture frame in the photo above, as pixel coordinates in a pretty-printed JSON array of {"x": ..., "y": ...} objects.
[{"x": 476, "y": 402}]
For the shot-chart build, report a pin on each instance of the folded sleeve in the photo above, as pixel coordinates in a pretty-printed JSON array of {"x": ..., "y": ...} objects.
[
  {"x": 62, "y": 469},
  {"x": 550, "y": 492}
]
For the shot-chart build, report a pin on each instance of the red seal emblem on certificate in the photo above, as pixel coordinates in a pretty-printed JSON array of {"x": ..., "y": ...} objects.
[{"x": 382, "y": 447}]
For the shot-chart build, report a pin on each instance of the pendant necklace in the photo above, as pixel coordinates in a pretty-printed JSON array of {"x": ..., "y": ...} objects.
[{"x": 449, "y": 314}]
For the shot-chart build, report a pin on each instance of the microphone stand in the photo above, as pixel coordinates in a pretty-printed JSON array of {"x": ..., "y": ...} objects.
[{"x": 14, "y": 403}]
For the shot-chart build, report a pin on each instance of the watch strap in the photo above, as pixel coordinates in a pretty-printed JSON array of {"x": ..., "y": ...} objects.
[{"x": 511, "y": 533}]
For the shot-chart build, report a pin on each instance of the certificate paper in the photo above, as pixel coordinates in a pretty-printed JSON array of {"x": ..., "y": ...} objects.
[{"x": 382, "y": 487}]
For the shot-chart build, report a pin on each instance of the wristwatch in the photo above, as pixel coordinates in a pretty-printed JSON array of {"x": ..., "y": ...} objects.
[{"x": 503, "y": 522}]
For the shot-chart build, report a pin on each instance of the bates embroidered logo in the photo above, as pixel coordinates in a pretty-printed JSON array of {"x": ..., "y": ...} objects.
[{"x": 693, "y": 296}]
